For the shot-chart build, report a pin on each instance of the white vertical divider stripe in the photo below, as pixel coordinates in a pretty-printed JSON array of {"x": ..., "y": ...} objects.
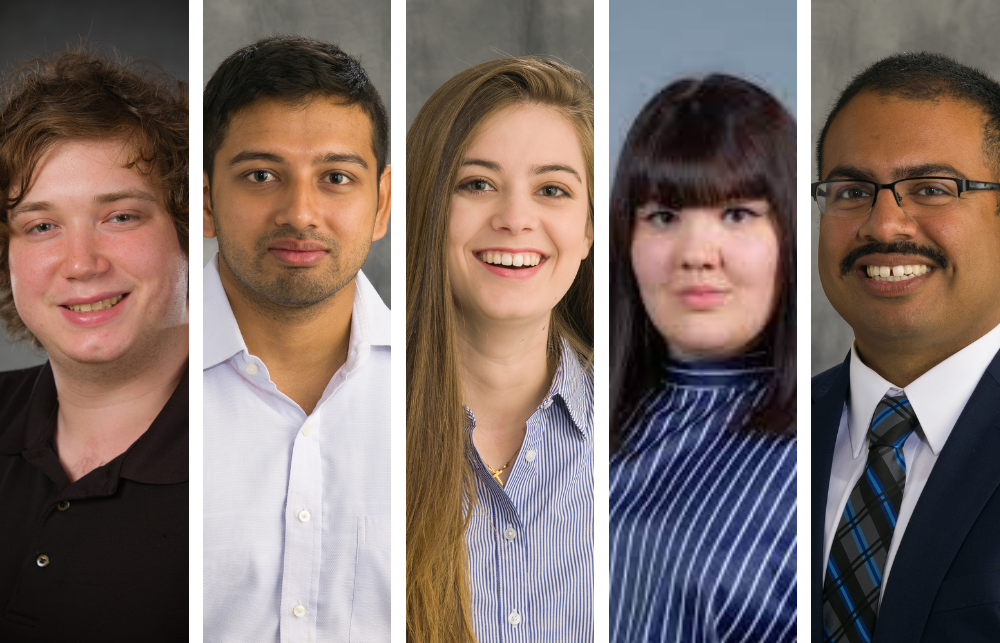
[
  {"x": 804, "y": 315},
  {"x": 397, "y": 138},
  {"x": 195, "y": 317},
  {"x": 602, "y": 181}
]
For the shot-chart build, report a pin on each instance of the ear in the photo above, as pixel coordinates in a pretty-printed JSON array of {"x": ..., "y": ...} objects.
[
  {"x": 384, "y": 207},
  {"x": 589, "y": 234},
  {"x": 208, "y": 221}
]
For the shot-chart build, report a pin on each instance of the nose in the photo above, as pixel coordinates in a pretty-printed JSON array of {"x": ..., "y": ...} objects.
[
  {"x": 85, "y": 257},
  {"x": 515, "y": 213},
  {"x": 700, "y": 244},
  {"x": 886, "y": 221},
  {"x": 300, "y": 210}
]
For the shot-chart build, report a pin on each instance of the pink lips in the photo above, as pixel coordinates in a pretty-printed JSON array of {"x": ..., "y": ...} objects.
[
  {"x": 87, "y": 320},
  {"x": 702, "y": 297},
  {"x": 295, "y": 252}
]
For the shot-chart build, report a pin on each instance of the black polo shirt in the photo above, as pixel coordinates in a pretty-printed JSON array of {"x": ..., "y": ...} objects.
[{"x": 106, "y": 557}]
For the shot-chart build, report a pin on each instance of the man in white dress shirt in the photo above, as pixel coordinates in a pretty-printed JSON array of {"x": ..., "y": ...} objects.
[
  {"x": 907, "y": 430},
  {"x": 296, "y": 356}
]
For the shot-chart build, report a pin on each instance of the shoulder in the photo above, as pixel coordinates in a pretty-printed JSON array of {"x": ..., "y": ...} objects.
[
  {"x": 15, "y": 391},
  {"x": 821, "y": 383}
]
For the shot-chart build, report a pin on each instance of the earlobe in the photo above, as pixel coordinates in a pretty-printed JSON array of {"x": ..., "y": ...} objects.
[{"x": 208, "y": 221}]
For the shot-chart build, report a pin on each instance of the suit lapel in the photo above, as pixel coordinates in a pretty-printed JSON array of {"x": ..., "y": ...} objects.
[
  {"x": 964, "y": 477},
  {"x": 829, "y": 394}
]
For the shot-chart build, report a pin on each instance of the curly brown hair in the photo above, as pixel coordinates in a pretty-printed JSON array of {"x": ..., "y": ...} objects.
[{"x": 89, "y": 93}]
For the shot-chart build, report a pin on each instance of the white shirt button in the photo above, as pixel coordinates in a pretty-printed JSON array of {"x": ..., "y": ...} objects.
[
  {"x": 251, "y": 369},
  {"x": 514, "y": 618},
  {"x": 304, "y": 516},
  {"x": 547, "y": 403},
  {"x": 510, "y": 533},
  {"x": 530, "y": 455},
  {"x": 299, "y": 611},
  {"x": 306, "y": 430}
]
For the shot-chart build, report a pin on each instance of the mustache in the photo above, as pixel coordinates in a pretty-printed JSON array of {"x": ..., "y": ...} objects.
[
  {"x": 265, "y": 240},
  {"x": 896, "y": 247}
]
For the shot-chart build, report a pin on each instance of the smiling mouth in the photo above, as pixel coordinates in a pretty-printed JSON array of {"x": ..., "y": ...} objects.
[
  {"x": 96, "y": 306},
  {"x": 897, "y": 273},
  {"x": 510, "y": 259}
]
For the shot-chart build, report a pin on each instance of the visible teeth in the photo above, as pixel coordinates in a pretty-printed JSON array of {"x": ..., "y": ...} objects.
[
  {"x": 896, "y": 273},
  {"x": 515, "y": 260},
  {"x": 96, "y": 306}
]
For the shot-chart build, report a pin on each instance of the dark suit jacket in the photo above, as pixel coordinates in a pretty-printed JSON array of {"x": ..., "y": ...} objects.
[{"x": 945, "y": 579}]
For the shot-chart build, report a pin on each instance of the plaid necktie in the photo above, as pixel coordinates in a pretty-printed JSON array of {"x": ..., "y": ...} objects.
[{"x": 860, "y": 546}]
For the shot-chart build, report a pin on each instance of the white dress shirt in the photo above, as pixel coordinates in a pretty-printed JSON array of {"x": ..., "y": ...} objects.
[
  {"x": 937, "y": 397},
  {"x": 296, "y": 531}
]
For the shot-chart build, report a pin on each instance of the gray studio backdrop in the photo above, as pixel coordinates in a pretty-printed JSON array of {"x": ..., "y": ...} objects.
[
  {"x": 443, "y": 37},
  {"x": 359, "y": 27},
  {"x": 849, "y": 35},
  {"x": 156, "y": 31}
]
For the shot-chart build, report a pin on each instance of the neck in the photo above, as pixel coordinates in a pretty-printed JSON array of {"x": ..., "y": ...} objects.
[
  {"x": 896, "y": 361},
  {"x": 505, "y": 375},
  {"x": 302, "y": 347},
  {"x": 104, "y": 408}
]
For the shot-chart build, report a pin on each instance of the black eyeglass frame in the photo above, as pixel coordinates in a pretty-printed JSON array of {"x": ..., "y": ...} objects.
[{"x": 964, "y": 185}]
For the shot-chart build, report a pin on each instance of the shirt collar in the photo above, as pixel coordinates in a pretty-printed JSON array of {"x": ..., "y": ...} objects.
[
  {"x": 739, "y": 371},
  {"x": 574, "y": 386},
  {"x": 370, "y": 319},
  {"x": 937, "y": 397},
  {"x": 158, "y": 456}
]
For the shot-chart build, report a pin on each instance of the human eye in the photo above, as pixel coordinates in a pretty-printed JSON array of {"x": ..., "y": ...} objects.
[
  {"x": 260, "y": 176},
  {"x": 476, "y": 186},
  {"x": 552, "y": 191},
  {"x": 337, "y": 178},
  {"x": 738, "y": 214},
  {"x": 659, "y": 217},
  {"x": 40, "y": 229},
  {"x": 851, "y": 192},
  {"x": 931, "y": 188}
]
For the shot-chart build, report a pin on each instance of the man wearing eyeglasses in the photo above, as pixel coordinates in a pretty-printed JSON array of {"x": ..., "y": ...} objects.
[{"x": 906, "y": 432}]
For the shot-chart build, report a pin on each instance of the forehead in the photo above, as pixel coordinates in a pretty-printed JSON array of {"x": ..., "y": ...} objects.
[
  {"x": 881, "y": 134},
  {"x": 77, "y": 169},
  {"x": 529, "y": 133},
  {"x": 320, "y": 124}
]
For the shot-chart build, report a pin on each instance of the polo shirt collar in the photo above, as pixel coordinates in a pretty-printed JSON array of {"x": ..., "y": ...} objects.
[{"x": 937, "y": 397}]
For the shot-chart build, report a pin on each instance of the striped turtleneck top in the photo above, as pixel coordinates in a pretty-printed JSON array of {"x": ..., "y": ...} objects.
[{"x": 702, "y": 532}]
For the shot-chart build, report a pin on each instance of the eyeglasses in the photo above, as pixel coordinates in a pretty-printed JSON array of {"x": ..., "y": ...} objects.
[{"x": 918, "y": 196}]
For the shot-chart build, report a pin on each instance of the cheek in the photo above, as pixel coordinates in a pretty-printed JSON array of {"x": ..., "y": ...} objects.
[
  {"x": 32, "y": 270},
  {"x": 752, "y": 263},
  {"x": 651, "y": 260}
]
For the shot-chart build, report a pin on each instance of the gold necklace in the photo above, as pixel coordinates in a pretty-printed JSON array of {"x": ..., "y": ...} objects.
[{"x": 496, "y": 473}]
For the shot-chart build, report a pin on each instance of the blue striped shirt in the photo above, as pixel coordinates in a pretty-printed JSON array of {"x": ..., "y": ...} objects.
[
  {"x": 702, "y": 532},
  {"x": 531, "y": 543}
]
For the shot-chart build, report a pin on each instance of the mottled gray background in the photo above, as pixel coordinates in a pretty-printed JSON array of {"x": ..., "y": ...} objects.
[
  {"x": 443, "y": 37},
  {"x": 849, "y": 35},
  {"x": 654, "y": 43},
  {"x": 359, "y": 27},
  {"x": 156, "y": 31}
]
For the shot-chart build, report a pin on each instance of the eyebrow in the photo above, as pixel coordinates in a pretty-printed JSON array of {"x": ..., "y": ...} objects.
[
  {"x": 100, "y": 199},
  {"x": 544, "y": 169},
  {"x": 906, "y": 172},
  {"x": 489, "y": 165},
  {"x": 332, "y": 157}
]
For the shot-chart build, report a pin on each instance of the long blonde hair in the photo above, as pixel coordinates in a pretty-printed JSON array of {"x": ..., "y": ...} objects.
[{"x": 440, "y": 483}]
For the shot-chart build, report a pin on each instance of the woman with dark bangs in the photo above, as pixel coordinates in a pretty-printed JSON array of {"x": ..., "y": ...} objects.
[{"x": 702, "y": 473}]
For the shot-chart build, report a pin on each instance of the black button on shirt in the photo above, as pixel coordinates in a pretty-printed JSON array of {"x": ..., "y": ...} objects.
[{"x": 106, "y": 557}]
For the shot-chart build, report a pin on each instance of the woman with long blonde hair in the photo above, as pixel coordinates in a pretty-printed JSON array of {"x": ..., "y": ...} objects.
[{"x": 499, "y": 341}]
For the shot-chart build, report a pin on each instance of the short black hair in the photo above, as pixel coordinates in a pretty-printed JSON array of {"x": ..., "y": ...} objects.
[
  {"x": 291, "y": 68},
  {"x": 702, "y": 143},
  {"x": 926, "y": 76}
]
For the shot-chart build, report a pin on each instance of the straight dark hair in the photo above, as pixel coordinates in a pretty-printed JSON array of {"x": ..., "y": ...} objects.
[
  {"x": 928, "y": 77},
  {"x": 703, "y": 143},
  {"x": 292, "y": 69}
]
